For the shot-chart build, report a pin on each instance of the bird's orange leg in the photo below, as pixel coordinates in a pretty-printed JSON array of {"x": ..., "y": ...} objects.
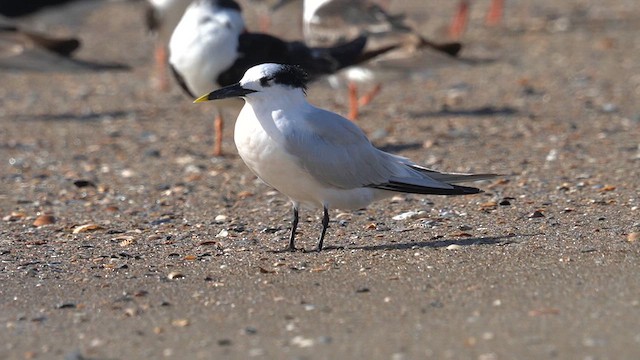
[
  {"x": 368, "y": 97},
  {"x": 353, "y": 101},
  {"x": 459, "y": 23},
  {"x": 494, "y": 15},
  {"x": 218, "y": 125},
  {"x": 161, "y": 81}
]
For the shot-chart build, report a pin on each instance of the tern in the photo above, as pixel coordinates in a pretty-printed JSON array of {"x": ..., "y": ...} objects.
[
  {"x": 332, "y": 21},
  {"x": 211, "y": 48},
  {"x": 318, "y": 158}
]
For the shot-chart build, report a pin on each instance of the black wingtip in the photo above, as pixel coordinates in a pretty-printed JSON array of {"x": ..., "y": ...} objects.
[
  {"x": 342, "y": 55},
  {"x": 450, "y": 48},
  {"x": 424, "y": 190}
]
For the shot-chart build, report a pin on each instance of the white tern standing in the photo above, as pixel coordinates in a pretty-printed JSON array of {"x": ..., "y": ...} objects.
[{"x": 318, "y": 158}]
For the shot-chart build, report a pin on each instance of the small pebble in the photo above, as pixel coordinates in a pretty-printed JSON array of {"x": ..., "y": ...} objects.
[
  {"x": 224, "y": 342},
  {"x": 175, "y": 275},
  {"x": 68, "y": 305},
  {"x": 127, "y": 173},
  {"x": 302, "y": 341},
  {"x": 75, "y": 355},
  {"x": 488, "y": 335},
  {"x": 633, "y": 237},
  {"x": 180, "y": 322},
  {"x": 44, "y": 220},
  {"x": 152, "y": 153},
  {"x": 131, "y": 312},
  {"x": 536, "y": 214},
  {"x": 453, "y": 247},
  {"x": 256, "y": 352},
  {"x": 84, "y": 183},
  {"x": 609, "y": 108},
  {"x": 87, "y": 228},
  {"x": 15, "y": 216},
  {"x": 411, "y": 215},
  {"x": 249, "y": 330}
]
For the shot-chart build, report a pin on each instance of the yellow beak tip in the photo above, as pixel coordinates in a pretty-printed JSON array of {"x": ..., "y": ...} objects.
[{"x": 202, "y": 98}]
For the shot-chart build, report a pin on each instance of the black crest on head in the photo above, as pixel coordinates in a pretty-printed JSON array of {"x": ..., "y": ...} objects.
[
  {"x": 227, "y": 4},
  {"x": 291, "y": 75}
]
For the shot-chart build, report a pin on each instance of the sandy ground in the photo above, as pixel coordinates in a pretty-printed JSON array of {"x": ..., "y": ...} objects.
[{"x": 158, "y": 250}]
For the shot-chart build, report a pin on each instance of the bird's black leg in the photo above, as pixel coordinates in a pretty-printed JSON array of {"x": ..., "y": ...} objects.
[
  {"x": 325, "y": 224},
  {"x": 294, "y": 226}
]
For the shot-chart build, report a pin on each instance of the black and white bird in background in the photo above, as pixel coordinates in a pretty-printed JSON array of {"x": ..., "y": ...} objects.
[
  {"x": 318, "y": 158},
  {"x": 334, "y": 21},
  {"x": 210, "y": 48}
]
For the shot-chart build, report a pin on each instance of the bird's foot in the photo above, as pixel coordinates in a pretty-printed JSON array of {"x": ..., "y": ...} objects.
[{"x": 368, "y": 97}]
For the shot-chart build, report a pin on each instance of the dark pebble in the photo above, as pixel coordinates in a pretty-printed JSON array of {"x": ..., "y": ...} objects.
[
  {"x": 75, "y": 355},
  {"x": 84, "y": 183},
  {"x": 152, "y": 153},
  {"x": 224, "y": 342},
  {"x": 161, "y": 221},
  {"x": 66, "y": 306},
  {"x": 249, "y": 330},
  {"x": 536, "y": 214},
  {"x": 115, "y": 231},
  {"x": 362, "y": 290}
]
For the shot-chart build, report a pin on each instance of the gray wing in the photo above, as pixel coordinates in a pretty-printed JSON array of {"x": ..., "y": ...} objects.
[{"x": 337, "y": 153}]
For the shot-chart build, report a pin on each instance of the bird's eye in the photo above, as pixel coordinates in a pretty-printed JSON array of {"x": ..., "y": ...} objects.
[{"x": 264, "y": 82}]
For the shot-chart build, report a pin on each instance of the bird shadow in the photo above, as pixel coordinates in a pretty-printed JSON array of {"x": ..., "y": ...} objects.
[
  {"x": 477, "y": 112},
  {"x": 43, "y": 62},
  {"x": 477, "y": 60},
  {"x": 489, "y": 240},
  {"x": 89, "y": 117}
]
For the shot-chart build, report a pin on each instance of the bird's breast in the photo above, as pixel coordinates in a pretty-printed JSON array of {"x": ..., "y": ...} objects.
[{"x": 263, "y": 149}]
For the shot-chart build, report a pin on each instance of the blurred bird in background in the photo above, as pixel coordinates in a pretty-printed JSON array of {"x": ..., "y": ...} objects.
[
  {"x": 334, "y": 21},
  {"x": 210, "y": 47}
]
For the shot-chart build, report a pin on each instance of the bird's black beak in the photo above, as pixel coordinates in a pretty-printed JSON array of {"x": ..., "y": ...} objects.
[{"x": 235, "y": 90}]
